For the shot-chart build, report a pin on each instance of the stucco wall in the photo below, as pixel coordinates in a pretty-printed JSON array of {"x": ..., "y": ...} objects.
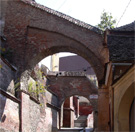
[
  {"x": 30, "y": 116},
  {"x": 123, "y": 97},
  {"x": 39, "y": 117},
  {"x": 9, "y": 114}
]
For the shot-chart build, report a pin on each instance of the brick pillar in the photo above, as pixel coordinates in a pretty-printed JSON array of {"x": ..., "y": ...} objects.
[
  {"x": 103, "y": 109},
  {"x": 68, "y": 113}
]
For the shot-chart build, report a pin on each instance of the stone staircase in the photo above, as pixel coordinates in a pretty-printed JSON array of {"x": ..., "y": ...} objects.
[
  {"x": 79, "y": 126},
  {"x": 75, "y": 130},
  {"x": 71, "y": 130},
  {"x": 80, "y": 121}
]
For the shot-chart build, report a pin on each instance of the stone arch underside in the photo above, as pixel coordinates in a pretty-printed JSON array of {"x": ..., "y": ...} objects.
[
  {"x": 67, "y": 86},
  {"x": 44, "y": 43},
  {"x": 39, "y": 31}
]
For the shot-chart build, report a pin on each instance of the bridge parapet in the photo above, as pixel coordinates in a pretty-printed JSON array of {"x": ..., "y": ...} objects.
[{"x": 66, "y": 73}]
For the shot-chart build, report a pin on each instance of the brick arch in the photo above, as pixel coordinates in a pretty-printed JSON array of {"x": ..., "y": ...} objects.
[
  {"x": 59, "y": 43},
  {"x": 68, "y": 84},
  {"x": 67, "y": 116},
  {"x": 87, "y": 97},
  {"x": 93, "y": 102},
  {"x": 37, "y": 31}
]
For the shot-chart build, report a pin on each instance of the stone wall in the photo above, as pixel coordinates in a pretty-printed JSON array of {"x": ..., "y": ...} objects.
[
  {"x": 3, "y": 4},
  {"x": 7, "y": 73},
  {"x": 9, "y": 105}
]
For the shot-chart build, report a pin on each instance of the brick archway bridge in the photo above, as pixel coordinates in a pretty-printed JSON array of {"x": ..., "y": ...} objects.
[
  {"x": 66, "y": 84},
  {"x": 34, "y": 32}
]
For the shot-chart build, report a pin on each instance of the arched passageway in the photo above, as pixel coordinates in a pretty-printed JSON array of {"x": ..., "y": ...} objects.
[
  {"x": 77, "y": 112},
  {"x": 67, "y": 84}
]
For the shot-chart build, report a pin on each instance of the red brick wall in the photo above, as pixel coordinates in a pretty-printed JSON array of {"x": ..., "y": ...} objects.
[
  {"x": 31, "y": 31},
  {"x": 85, "y": 109},
  {"x": 71, "y": 85}
]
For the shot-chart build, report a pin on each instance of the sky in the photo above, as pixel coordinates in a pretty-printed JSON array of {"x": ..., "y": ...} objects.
[{"x": 89, "y": 11}]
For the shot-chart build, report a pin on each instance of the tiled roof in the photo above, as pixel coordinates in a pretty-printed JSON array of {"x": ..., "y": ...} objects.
[
  {"x": 61, "y": 15},
  {"x": 121, "y": 48},
  {"x": 122, "y": 45},
  {"x": 128, "y": 27}
]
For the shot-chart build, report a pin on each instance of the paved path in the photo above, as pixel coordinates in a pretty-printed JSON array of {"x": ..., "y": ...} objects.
[{"x": 87, "y": 130}]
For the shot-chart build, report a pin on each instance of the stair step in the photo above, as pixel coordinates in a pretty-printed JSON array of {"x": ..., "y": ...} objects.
[
  {"x": 79, "y": 121},
  {"x": 75, "y": 130},
  {"x": 80, "y": 125},
  {"x": 70, "y": 130},
  {"x": 82, "y": 117}
]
